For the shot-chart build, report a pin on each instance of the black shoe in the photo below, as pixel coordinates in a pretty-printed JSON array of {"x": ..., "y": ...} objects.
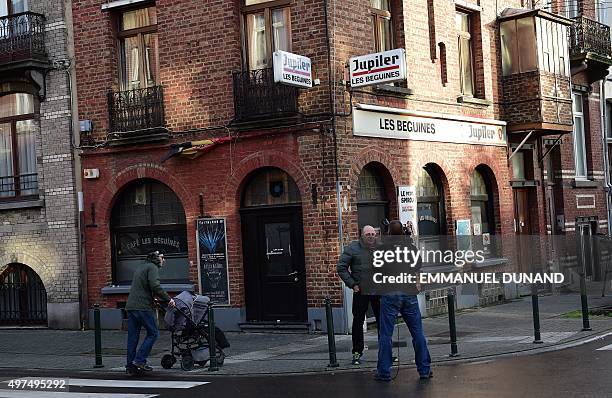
[
  {"x": 378, "y": 377},
  {"x": 143, "y": 366},
  {"x": 426, "y": 376},
  {"x": 356, "y": 359},
  {"x": 394, "y": 359}
]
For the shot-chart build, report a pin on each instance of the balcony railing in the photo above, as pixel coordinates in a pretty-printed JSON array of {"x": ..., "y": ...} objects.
[
  {"x": 258, "y": 97},
  {"x": 22, "y": 37},
  {"x": 588, "y": 36},
  {"x": 136, "y": 110}
]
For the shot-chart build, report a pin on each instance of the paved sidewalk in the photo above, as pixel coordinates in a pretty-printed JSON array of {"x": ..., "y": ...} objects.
[{"x": 482, "y": 332}]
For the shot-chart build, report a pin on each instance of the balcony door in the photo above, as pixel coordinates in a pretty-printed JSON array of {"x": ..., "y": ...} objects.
[
  {"x": 138, "y": 55},
  {"x": 11, "y": 7},
  {"x": 267, "y": 29}
]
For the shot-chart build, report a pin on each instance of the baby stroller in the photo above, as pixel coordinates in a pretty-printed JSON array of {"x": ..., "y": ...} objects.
[{"x": 188, "y": 322}]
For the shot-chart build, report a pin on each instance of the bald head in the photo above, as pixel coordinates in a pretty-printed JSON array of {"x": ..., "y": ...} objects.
[{"x": 368, "y": 234}]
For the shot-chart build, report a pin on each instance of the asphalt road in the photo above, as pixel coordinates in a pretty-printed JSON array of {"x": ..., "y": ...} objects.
[{"x": 582, "y": 371}]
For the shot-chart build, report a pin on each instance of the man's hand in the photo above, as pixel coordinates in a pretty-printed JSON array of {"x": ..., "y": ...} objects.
[
  {"x": 171, "y": 303},
  {"x": 356, "y": 289}
]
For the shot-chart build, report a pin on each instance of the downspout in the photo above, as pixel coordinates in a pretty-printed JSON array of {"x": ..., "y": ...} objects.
[{"x": 606, "y": 155}]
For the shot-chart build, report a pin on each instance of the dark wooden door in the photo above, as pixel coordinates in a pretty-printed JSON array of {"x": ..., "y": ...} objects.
[
  {"x": 522, "y": 211},
  {"x": 275, "y": 275}
]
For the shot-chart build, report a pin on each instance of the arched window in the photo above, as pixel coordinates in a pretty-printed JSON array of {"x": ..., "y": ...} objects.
[
  {"x": 430, "y": 203},
  {"x": 270, "y": 186},
  {"x": 481, "y": 197},
  {"x": 372, "y": 199},
  {"x": 148, "y": 216}
]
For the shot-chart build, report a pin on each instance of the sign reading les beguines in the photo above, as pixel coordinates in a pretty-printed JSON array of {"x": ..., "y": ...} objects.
[
  {"x": 212, "y": 259},
  {"x": 384, "y": 67},
  {"x": 292, "y": 69}
]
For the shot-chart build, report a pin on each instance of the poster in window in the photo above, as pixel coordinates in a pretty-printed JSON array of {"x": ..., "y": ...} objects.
[{"x": 212, "y": 259}]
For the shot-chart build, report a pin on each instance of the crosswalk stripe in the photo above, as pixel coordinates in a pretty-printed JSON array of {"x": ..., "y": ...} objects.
[
  {"x": 135, "y": 383},
  {"x": 58, "y": 394},
  {"x": 605, "y": 348}
]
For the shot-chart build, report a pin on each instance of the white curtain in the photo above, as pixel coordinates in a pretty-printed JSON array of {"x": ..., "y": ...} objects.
[
  {"x": 281, "y": 27},
  {"x": 257, "y": 48},
  {"x": 6, "y": 161},
  {"x": 26, "y": 142}
]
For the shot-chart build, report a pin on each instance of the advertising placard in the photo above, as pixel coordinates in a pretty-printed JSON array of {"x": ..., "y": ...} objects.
[
  {"x": 212, "y": 259},
  {"x": 407, "y": 201},
  {"x": 385, "y": 67},
  {"x": 292, "y": 69}
]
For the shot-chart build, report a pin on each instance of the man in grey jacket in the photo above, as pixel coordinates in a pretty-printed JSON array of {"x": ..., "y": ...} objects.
[{"x": 355, "y": 265}]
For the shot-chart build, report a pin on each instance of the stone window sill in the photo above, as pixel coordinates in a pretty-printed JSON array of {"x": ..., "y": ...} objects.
[
  {"x": 168, "y": 287},
  {"x": 21, "y": 204},
  {"x": 466, "y": 99},
  {"x": 582, "y": 183}
]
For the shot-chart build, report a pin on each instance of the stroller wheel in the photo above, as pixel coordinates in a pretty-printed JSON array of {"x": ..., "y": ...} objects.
[
  {"x": 187, "y": 362},
  {"x": 168, "y": 361}
]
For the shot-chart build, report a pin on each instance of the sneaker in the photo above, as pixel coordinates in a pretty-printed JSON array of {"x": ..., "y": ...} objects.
[
  {"x": 426, "y": 376},
  {"x": 356, "y": 359},
  {"x": 394, "y": 359},
  {"x": 143, "y": 366},
  {"x": 378, "y": 377}
]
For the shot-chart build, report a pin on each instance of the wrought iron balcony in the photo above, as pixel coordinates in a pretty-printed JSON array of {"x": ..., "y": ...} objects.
[
  {"x": 588, "y": 36},
  {"x": 22, "y": 38},
  {"x": 136, "y": 112},
  {"x": 258, "y": 97}
]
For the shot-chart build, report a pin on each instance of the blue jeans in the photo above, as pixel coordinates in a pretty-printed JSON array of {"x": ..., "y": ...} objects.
[
  {"x": 408, "y": 307},
  {"x": 138, "y": 319}
]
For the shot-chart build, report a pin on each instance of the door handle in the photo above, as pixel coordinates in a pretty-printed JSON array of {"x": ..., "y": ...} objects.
[{"x": 294, "y": 273}]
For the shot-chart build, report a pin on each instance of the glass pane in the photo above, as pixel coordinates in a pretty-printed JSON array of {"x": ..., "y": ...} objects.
[
  {"x": 509, "y": 48},
  {"x": 3, "y": 8},
  {"x": 271, "y": 187},
  {"x": 527, "y": 49},
  {"x": 167, "y": 208},
  {"x": 151, "y": 59},
  {"x": 138, "y": 18},
  {"x": 462, "y": 22},
  {"x": 386, "y": 34},
  {"x": 370, "y": 187},
  {"x": 281, "y": 28},
  {"x": 251, "y": 2},
  {"x": 256, "y": 41},
  {"x": 465, "y": 63},
  {"x": 16, "y": 104},
  {"x": 380, "y": 5},
  {"x": 19, "y": 6},
  {"x": 131, "y": 57},
  {"x": 278, "y": 248},
  {"x": 26, "y": 144},
  {"x": 6, "y": 161},
  {"x": 428, "y": 214},
  {"x": 477, "y": 184},
  {"x": 426, "y": 186},
  {"x": 579, "y": 147},
  {"x": 577, "y": 102},
  {"x": 518, "y": 166}
]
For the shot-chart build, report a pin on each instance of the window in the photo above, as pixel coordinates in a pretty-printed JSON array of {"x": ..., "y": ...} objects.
[
  {"x": 430, "y": 203},
  {"x": 271, "y": 186},
  {"x": 148, "y": 216},
  {"x": 138, "y": 54},
  {"x": 466, "y": 60},
  {"x": 481, "y": 205},
  {"x": 372, "y": 198},
  {"x": 382, "y": 24},
  {"x": 10, "y": 7},
  {"x": 18, "y": 126},
  {"x": 570, "y": 8},
  {"x": 267, "y": 29},
  {"x": 580, "y": 158}
]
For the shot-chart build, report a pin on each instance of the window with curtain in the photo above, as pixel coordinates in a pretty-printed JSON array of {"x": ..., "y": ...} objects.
[
  {"x": 382, "y": 24},
  {"x": 580, "y": 156},
  {"x": 10, "y": 7},
  {"x": 430, "y": 204},
  {"x": 18, "y": 127},
  {"x": 481, "y": 205},
  {"x": 267, "y": 29},
  {"x": 138, "y": 50},
  {"x": 466, "y": 60}
]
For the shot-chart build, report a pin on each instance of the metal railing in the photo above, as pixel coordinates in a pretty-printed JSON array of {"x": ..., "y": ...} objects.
[
  {"x": 22, "y": 36},
  {"x": 23, "y": 303},
  {"x": 22, "y": 185},
  {"x": 136, "y": 110},
  {"x": 587, "y": 35},
  {"x": 257, "y": 96}
]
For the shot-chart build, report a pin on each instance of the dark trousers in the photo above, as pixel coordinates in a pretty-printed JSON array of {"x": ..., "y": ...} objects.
[{"x": 360, "y": 307}]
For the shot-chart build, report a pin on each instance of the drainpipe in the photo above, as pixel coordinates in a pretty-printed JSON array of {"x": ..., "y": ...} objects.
[{"x": 606, "y": 155}]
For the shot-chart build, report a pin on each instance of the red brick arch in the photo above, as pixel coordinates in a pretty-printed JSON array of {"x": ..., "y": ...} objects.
[{"x": 370, "y": 155}]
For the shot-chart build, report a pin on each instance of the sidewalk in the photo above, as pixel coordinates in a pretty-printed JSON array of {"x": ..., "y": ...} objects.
[{"x": 482, "y": 332}]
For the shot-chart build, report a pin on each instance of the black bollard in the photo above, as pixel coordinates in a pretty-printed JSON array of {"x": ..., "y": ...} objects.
[
  {"x": 98, "y": 337},
  {"x": 451, "y": 324},
  {"x": 585, "y": 305},
  {"x": 331, "y": 341},
  {"x": 212, "y": 343},
  {"x": 537, "y": 338}
]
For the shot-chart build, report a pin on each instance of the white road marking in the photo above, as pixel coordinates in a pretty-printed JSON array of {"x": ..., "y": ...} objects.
[
  {"x": 135, "y": 383},
  {"x": 58, "y": 394},
  {"x": 605, "y": 348}
]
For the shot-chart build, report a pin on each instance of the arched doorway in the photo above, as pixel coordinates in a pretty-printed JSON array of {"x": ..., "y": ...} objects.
[
  {"x": 482, "y": 203},
  {"x": 148, "y": 216},
  {"x": 273, "y": 248},
  {"x": 23, "y": 298},
  {"x": 431, "y": 208},
  {"x": 372, "y": 197}
]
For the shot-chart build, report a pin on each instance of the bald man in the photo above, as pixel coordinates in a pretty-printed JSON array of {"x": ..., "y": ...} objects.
[{"x": 354, "y": 265}]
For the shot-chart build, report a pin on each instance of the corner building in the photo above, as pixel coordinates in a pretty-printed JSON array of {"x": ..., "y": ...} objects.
[{"x": 194, "y": 150}]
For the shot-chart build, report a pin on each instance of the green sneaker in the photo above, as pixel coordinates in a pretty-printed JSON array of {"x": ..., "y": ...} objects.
[{"x": 356, "y": 359}]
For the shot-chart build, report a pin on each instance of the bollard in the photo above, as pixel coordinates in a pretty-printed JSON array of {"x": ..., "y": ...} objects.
[
  {"x": 331, "y": 341},
  {"x": 585, "y": 305},
  {"x": 537, "y": 338},
  {"x": 98, "y": 337},
  {"x": 450, "y": 298},
  {"x": 212, "y": 343}
]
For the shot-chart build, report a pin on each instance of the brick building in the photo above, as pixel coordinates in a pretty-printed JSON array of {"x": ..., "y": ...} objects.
[
  {"x": 39, "y": 239},
  {"x": 187, "y": 131}
]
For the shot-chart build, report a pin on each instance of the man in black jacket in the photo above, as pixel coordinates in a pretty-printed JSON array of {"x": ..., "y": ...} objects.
[{"x": 355, "y": 265}]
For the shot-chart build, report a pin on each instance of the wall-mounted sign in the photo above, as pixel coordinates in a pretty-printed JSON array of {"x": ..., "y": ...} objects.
[
  {"x": 292, "y": 69},
  {"x": 407, "y": 203},
  {"x": 385, "y": 67},
  {"x": 421, "y": 126},
  {"x": 212, "y": 259}
]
